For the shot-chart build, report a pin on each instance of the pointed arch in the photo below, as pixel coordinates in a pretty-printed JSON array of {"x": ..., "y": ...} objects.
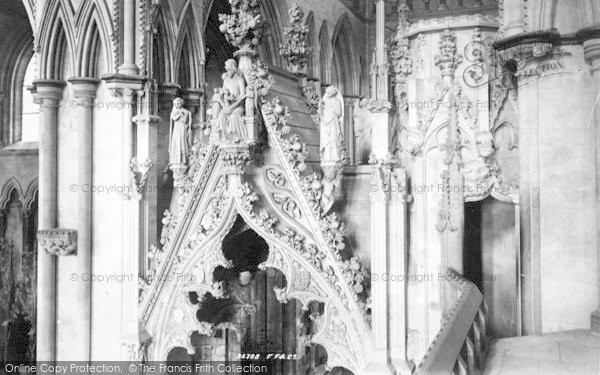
[
  {"x": 188, "y": 52},
  {"x": 324, "y": 54},
  {"x": 345, "y": 68},
  {"x": 91, "y": 53},
  {"x": 163, "y": 42},
  {"x": 30, "y": 196},
  {"x": 29, "y": 6},
  {"x": 218, "y": 50},
  {"x": 19, "y": 62},
  {"x": 57, "y": 42},
  {"x": 274, "y": 12},
  {"x": 297, "y": 248},
  {"x": 161, "y": 59},
  {"x": 11, "y": 187},
  {"x": 310, "y": 41},
  {"x": 93, "y": 40}
]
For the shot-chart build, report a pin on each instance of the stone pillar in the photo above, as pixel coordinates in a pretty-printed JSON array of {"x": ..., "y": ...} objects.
[
  {"x": 380, "y": 288},
  {"x": 591, "y": 47},
  {"x": 129, "y": 36},
  {"x": 513, "y": 22},
  {"x": 147, "y": 193},
  {"x": 380, "y": 195},
  {"x": 380, "y": 105},
  {"x": 48, "y": 93},
  {"x": 125, "y": 88},
  {"x": 84, "y": 91},
  {"x": 398, "y": 260},
  {"x": 554, "y": 190}
]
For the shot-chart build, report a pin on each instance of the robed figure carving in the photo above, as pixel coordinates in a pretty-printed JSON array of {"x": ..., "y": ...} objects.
[
  {"x": 362, "y": 131},
  {"x": 332, "y": 116},
  {"x": 232, "y": 101},
  {"x": 179, "y": 133}
]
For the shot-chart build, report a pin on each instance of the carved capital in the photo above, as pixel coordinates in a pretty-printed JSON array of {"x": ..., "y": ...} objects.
[
  {"x": 179, "y": 174},
  {"x": 61, "y": 242},
  {"x": 525, "y": 47},
  {"x": 84, "y": 88},
  {"x": 236, "y": 157},
  {"x": 590, "y": 37},
  {"x": 48, "y": 92},
  {"x": 125, "y": 86}
]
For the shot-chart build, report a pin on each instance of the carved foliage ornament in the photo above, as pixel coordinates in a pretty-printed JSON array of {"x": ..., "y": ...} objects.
[
  {"x": 242, "y": 28},
  {"x": 296, "y": 49},
  {"x": 402, "y": 62},
  {"x": 476, "y": 53},
  {"x": 139, "y": 174},
  {"x": 448, "y": 59},
  {"x": 61, "y": 242},
  {"x": 310, "y": 92}
]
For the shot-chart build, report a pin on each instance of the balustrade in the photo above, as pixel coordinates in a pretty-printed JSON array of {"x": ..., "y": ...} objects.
[{"x": 461, "y": 345}]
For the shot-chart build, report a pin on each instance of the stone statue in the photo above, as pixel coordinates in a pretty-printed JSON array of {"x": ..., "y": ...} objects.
[
  {"x": 332, "y": 116},
  {"x": 213, "y": 115},
  {"x": 232, "y": 100},
  {"x": 362, "y": 131},
  {"x": 179, "y": 133}
]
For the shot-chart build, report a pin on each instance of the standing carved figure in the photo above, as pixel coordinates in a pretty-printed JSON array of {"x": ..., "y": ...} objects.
[
  {"x": 332, "y": 116},
  {"x": 233, "y": 95},
  {"x": 362, "y": 131},
  {"x": 179, "y": 133}
]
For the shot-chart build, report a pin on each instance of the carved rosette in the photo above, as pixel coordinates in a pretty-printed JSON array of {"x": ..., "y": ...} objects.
[
  {"x": 62, "y": 242},
  {"x": 448, "y": 59}
]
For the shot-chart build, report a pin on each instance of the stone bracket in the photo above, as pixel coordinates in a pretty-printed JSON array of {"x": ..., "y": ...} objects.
[{"x": 60, "y": 242}]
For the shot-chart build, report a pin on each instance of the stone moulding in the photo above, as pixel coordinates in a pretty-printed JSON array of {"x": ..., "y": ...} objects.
[{"x": 61, "y": 242}]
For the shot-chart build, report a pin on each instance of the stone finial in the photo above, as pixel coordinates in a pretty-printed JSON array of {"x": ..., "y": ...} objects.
[
  {"x": 448, "y": 58},
  {"x": 61, "y": 242}
]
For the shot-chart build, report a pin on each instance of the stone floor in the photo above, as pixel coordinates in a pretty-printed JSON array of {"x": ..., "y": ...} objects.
[{"x": 564, "y": 353}]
